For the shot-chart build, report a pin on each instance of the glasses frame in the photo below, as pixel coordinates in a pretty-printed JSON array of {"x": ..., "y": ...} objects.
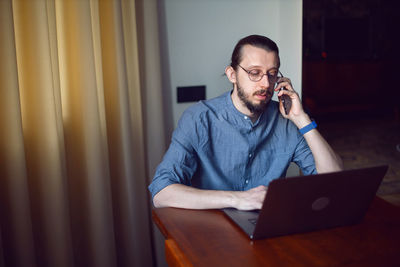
[{"x": 268, "y": 75}]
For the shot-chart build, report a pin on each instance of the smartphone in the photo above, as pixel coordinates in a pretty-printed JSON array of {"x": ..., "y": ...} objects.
[{"x": 286, "y": 102}]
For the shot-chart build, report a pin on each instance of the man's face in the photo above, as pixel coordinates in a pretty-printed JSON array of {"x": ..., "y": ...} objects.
[{"x": 255, "y": 95}]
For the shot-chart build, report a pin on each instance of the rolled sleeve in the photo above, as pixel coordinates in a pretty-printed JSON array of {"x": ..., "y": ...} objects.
[
  {"x": 180, "y": 160},
  {"x": 303, "y": 157}
]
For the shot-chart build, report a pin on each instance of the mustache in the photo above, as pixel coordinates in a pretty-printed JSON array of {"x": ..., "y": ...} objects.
[{"x": 262, "y": 92}]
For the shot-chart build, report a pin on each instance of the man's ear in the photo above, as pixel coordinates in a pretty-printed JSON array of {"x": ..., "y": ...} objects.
[{"x": 231, "y": 74}]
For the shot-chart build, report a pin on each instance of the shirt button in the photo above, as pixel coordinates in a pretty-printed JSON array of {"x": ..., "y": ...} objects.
[
  {"x": 245, "y": 117},
  {"x": 246, "y": 182},
  {"x": 250, "y": 155}
]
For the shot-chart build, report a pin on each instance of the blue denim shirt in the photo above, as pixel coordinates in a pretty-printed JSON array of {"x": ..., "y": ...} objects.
[{"x": 216, "y": 147}]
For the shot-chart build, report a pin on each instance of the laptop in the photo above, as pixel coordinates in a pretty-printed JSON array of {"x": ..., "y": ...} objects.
[{"x": 309, "y": 203}]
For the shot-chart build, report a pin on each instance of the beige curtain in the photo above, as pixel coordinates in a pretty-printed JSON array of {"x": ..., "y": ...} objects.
[{"x": 72, "y": 169}]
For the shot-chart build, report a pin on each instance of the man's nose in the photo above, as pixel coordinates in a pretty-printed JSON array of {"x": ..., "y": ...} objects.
[{"x": 264, "y": 81}]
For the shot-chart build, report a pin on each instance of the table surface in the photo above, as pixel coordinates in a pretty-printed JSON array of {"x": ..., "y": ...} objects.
[{"x": 210, "y": 238}]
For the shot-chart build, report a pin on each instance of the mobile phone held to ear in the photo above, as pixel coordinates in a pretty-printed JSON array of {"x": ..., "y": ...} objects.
[
  {"x": 285, "y": 99},
  {"x": 286, "y": 102}
]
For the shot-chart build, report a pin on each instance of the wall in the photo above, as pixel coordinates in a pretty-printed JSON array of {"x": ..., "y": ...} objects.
[{"x": 198, "y": 38}]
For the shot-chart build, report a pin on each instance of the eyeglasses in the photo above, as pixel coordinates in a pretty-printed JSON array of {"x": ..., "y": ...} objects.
[{"x": 256, "y": 75}]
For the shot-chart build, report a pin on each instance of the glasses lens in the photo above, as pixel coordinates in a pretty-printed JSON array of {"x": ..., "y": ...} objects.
[
  {"x": 255, "y": 75},
  {"x": 273, "y": 77}
]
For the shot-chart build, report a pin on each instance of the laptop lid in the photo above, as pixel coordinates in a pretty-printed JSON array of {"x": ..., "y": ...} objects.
[{"x": 314, "y": 202}]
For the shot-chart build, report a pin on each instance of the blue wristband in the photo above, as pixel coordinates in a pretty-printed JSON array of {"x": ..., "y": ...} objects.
[{"x": 308, "y": 128}]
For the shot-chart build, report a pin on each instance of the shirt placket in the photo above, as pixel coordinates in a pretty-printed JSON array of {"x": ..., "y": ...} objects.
[{"x": 247, "y": 179}]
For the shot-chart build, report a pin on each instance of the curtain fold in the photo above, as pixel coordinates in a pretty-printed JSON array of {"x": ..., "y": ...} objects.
[
  {"x": 73, "y": 177},
  {"x": 39, "y": 125},
  {"x": 15, "y": 219}
]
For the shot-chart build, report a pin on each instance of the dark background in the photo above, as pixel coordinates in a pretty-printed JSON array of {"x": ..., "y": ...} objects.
[{"x": 350, "y": 58}]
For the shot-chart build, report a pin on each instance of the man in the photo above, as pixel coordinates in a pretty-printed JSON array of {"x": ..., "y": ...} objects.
[{"x": 225, "y": 151}]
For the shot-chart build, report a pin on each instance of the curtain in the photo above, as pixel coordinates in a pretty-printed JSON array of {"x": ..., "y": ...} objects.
[{"x": 72, "y": 158}]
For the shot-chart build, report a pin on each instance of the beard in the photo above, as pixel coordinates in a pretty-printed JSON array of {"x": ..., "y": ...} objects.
[{"x": 252, "y": 107}]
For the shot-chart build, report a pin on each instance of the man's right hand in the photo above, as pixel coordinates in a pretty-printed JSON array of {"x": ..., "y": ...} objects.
[{"x": 251, "y": 199}]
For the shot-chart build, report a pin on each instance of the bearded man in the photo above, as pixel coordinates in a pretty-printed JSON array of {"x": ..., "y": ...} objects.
[{"x": 226, "y": 150}]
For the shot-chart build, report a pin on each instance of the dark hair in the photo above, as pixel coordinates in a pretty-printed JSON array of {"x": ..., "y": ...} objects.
[{"x": 254, "y": 40}]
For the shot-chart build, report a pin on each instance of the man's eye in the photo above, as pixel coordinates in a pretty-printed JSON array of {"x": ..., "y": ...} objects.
[
  {"x": 255, "y": 72},
  {"x": 272, "y": 73}
]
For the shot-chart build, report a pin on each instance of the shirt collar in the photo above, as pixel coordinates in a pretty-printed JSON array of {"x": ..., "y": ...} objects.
[{"x": 237, "y": 113}]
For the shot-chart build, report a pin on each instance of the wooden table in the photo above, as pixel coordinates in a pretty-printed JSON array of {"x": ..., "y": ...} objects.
[{"x": 209, "y": 238}]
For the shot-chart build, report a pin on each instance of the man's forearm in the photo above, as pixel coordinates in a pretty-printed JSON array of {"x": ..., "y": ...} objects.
[
  {"x": 182, "y": 196},
  {"x": 326, "y": 160}
]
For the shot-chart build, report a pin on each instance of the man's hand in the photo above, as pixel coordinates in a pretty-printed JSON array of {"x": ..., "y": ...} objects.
[
  {"x": 296, "y": 113},
  {"x": 251, "y": 199}
]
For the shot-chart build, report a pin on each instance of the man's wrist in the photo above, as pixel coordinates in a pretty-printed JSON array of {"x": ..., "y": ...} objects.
[
  {"x": 231, "y": 199},
  {"x": 302, "y": 121},
  {"x": 236, "y": 197},
  {"x": 308, "y": 128}
]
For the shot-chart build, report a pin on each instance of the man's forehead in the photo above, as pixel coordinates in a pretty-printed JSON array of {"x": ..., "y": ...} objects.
[{"x": 257, "y": 56}]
